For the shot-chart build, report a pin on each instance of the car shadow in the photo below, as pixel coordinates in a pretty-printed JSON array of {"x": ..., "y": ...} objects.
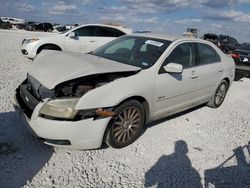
[
  {"x": 173, "y": 170},
  {"x": 21, "y": 156},
  {"x": 240, "y": 75},
  {"x": 231, "y": 176}
]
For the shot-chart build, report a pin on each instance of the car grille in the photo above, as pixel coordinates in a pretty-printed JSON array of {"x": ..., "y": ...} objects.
[
  {"x": 38, "y": 90},
  {"x": 30, "y": 93},
  {"x": 34, "y": 86},
  {"x": 26, "y": 100}
]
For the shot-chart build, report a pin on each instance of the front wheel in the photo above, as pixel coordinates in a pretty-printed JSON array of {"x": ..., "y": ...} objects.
[
  {"x": 219, "y": 95},
  {"x": 127, "y": 126}
]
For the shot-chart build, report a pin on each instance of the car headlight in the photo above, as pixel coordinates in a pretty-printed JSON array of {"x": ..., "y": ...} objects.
[
  {"x": 26, "y": 41},
  {"x": 65, "y": 109},
  {"x": 60, "y": 108}
]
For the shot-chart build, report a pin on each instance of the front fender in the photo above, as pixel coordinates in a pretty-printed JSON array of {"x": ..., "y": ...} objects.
[{"x": 115, "y": 92}]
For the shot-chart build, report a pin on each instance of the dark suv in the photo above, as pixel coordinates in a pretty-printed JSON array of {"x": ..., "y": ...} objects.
[
  {"x": 29, "y": 26},
  {"x": 212, "y": 38},
  {"x": 227, "y": 44},
  {"x": 5, "y": 25},
  {"x": 44, "y": 27}
]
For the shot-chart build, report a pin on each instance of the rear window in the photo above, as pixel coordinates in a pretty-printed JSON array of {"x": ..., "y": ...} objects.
[
  {"x": 108, "y": 32},
  {"x": 86, "y": 31},
  {"x": 233, "y": 41}
]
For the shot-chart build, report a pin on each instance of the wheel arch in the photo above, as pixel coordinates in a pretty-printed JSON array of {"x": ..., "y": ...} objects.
[
  {"x": 48, "y": 44},
  {"x": 227, "y": 80},
  {"x": 144, "y": 103},
  {"x": 138, "y": 98}
]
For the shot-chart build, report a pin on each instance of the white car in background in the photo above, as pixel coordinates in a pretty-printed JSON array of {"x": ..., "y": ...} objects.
[
  {"x": 13, "y": 20},
  {"x": 82, "y": 39},
  {"x": 108, "y": 95}
]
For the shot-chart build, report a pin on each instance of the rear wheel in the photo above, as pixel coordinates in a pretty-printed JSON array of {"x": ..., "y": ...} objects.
[
  {"x": 127, "y": 126},
  {"x": 219, "y": 95}
]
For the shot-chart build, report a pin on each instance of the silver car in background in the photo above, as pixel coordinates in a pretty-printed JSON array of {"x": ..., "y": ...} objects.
[{"x": 82, "y": 100}]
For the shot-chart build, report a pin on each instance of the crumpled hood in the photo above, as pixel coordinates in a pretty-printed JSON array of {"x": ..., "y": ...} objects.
[{"x": 51, "y": 68}]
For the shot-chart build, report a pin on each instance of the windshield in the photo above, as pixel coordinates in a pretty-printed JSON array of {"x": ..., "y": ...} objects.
[{"x": 138, "y": 51}]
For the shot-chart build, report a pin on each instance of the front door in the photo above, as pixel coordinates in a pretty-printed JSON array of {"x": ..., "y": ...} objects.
[{"x": 176, "y": 91}]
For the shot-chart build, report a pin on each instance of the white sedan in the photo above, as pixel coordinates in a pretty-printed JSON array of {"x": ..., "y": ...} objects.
[
  {"x": 84, "y": 38},
  {"x": 82, "y": 100}
]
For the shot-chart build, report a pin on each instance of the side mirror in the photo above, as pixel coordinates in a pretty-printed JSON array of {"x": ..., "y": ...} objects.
[
  {"x": 173, "y": 68},
  {"x": 72, "y": 35}
]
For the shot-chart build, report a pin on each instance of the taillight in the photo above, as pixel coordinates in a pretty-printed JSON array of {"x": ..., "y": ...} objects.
[{"x": 234, "y": 55}]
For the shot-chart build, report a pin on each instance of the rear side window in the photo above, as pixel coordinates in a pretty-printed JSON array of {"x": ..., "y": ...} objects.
[
  {"x": 87, "y": 31},
  {"x": 233, "y": 41},
  {"x": 108, "y": 32},
  {"x": 40, "y": 26},
  {"x": 223, "y": 38},
  {"x": 47, "y": 25},
  {"x": 207, "y": 54}
]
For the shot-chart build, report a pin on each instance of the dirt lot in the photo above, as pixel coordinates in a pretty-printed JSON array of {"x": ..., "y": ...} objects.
[{"x": 187, "y": 150}]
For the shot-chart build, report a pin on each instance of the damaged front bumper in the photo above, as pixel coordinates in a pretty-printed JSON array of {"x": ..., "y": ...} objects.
[{"x": 81, "y": 134}]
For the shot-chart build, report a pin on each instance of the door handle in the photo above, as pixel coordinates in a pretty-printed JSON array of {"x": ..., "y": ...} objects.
[
  {"x": 92, "y": 41},
  {"x": 194, "y": 77},
  {"x": 221, "y": 70}
]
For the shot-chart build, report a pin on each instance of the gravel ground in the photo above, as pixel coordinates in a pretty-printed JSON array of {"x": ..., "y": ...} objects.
[{"x": 187, "y": 150}]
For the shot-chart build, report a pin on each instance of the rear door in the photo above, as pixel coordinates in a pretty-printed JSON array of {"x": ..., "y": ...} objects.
[
  {"x": 209, "y": 71},
  {"x": 105, "y": 35}
]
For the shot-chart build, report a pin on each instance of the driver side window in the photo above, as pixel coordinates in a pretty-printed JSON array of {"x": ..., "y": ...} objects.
[{"x": 182, "y": 54}]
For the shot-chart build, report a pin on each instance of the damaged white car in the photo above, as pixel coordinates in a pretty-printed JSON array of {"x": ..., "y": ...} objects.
[{"x": 82, "y": 100}]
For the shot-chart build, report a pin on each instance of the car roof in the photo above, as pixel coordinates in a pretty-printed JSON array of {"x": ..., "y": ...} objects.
[
  {"x": 210, "y": 34},
  {"x": 120, "y": 27}
]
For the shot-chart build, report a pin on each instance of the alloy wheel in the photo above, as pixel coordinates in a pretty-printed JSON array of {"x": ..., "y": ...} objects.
[
  {"x": 127, "y": 124},
  {"x": 220, "y": 94}
]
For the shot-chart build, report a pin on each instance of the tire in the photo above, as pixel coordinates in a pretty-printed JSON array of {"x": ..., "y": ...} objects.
[
  {"x": 219, "y": 95},
  {"x": 126, "y": 126}
]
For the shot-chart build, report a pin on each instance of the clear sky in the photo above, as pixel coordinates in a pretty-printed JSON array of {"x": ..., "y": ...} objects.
[{"x": 230, "y": 17}]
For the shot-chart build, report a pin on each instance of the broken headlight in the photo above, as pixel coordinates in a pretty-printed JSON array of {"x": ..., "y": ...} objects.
[
  {"x": 60, "y": 108},
  {"x": 96, "y": 113},
  {"x": 65, "y": 109}
]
